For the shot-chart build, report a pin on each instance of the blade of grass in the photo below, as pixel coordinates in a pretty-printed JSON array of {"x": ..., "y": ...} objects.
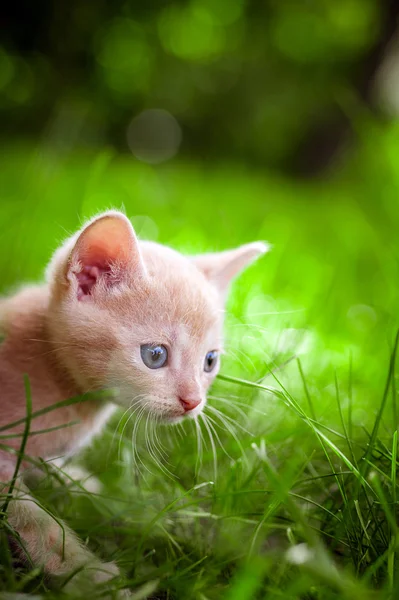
[
  {"x": 21, "y": 453},
  {"x": 98, "y": 395},
  {"x": 393, "y": 465},
  {"x": 39, "y": 431},
  {"x": 306, "y": 390},
  {"x": 348, "y": 441},
  {"x": 350, "y": 396},
  {"x": 288, "y": 399},
  {"x": 374, "y": 433}
]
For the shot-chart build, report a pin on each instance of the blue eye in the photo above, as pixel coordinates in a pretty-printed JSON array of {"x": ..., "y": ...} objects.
[
  {"x": 154, "y": 355},
  {"x": 210, "y": 361}
]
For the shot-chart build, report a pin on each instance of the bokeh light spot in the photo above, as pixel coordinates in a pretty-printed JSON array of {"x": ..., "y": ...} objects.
[
  {"x": 154, "y": 136},
  {"x": 335, "y": 32},
  {"x": 224, "y": 12},
  {"x": 191, "y": 33},
  {"x": 362, "y": 317}
]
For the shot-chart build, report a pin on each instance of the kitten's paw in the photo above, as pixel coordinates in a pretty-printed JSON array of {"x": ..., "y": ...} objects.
[
  {"x": 107, "y": 572},
  {"x": 75, "y": 473},
  {"x": 94, "y": 577},
  {"x": 74, "y": 476}
]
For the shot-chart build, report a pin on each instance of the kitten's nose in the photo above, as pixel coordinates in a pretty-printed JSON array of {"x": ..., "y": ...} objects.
[{"x": 189, "y": 403}]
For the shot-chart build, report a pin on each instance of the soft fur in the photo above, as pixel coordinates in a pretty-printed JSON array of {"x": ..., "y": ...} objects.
[{"x": 106, "y": 295}]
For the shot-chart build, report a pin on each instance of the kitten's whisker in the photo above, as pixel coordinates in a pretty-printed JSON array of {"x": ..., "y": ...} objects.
[
  {"x": 225, "y": 418},
  {"x": 230, "y": 348},
  {"x": 34, "y": 356},
  {"x": 210, "y": 423},
  {"x": 234, "y": 402},
  {"x": 134, "y": 449},
  {"x": 133, "y": 403},
  {"x": 136, "y": 453},
  {"x": 248, "y": 406},
  {"x": 163, "y": 450},
  {"x": 157, "y": 457},
  {"x": 251, "y": 325},
  {"x": 158, "y": 449},
  {"x": 237, "y": 358},
  {"x": 215, "y": 462},
  {"x": 54, "y": 342},
  {"x": 231, "y": 405},
  {"x": 229, "y": 428},
  {"x": 273, "y": 312},
  {"x": 198, "y": 462},
  {"x": 134, "y": 407},
  {"x": 204, "y": 442},
  {"x": 148, "y": 442},
  {"x": 174, "y": 435},
  {"x": 216, "y": 411},
  {"x": 235, "y": 396},
  {"x": 178, "y": 430}
]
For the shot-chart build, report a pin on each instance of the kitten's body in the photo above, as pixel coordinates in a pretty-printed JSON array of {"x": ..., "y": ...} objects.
[
  {"x": 106, "y": 296},
  {"x": 28, "y": 349}
]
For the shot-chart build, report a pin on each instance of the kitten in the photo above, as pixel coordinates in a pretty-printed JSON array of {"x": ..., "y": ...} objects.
[{"x": 115, "y": 313}]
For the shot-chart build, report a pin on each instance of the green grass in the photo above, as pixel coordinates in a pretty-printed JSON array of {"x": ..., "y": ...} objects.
[{"x": 295, "y": 494}]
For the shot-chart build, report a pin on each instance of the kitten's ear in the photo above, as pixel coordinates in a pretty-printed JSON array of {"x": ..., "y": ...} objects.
[
  {"x": 221, "y": 267},
  {"x": 106, "y": 250}
]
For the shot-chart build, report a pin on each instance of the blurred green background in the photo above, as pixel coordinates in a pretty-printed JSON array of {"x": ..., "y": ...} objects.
[
  {"x": 271, "y": 84},
  {"x": 214, "y": 123}
]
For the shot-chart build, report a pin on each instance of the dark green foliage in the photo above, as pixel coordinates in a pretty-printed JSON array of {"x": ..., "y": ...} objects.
[{"x": 266, "y": 82}]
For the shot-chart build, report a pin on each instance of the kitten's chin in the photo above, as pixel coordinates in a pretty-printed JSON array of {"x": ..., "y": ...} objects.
[{"x": 173, "y": 420}]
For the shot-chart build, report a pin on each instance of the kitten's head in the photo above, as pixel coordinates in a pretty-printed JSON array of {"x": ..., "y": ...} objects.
[{"x": 141, "y": 317}]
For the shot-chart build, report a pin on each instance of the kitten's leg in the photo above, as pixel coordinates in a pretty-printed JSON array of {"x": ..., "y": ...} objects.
[
  {"x": 73, "y": 475},
  {"x": 74, "y": 472},
  {"x": 49, "y": 543}
]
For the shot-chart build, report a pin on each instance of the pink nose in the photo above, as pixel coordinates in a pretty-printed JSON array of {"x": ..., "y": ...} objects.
[{"x": 189, "y": 403}]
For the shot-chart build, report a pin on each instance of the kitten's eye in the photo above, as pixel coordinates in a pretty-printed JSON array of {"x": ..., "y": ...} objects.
[
  {"x": 210, "y": 361},
  {"x": 154, "y": 356}
]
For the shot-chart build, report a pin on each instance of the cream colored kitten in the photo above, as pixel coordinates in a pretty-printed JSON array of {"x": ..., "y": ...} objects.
[{"x": 115, "y": 313}]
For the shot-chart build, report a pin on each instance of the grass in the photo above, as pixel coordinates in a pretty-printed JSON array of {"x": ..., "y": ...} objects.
[{"x": 291, "y": 491}]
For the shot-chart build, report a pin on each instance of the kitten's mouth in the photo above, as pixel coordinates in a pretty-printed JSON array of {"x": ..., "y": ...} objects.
[
  {"x": 175, "y": 419},
  {"x": 174, "y": 412}
]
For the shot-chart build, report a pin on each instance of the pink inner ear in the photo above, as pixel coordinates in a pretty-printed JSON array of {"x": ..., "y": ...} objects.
[
  {"x": 87, "y": 278},
  {"x": 97, "y": 256},
  {"x": 106, "y": 251}
]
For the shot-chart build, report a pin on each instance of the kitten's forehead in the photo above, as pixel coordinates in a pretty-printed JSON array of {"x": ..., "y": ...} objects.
[
  {"x": 176, "y": 295},
  {"x": 185, "y": 301},
  {"x": 157, "y": 258}
]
